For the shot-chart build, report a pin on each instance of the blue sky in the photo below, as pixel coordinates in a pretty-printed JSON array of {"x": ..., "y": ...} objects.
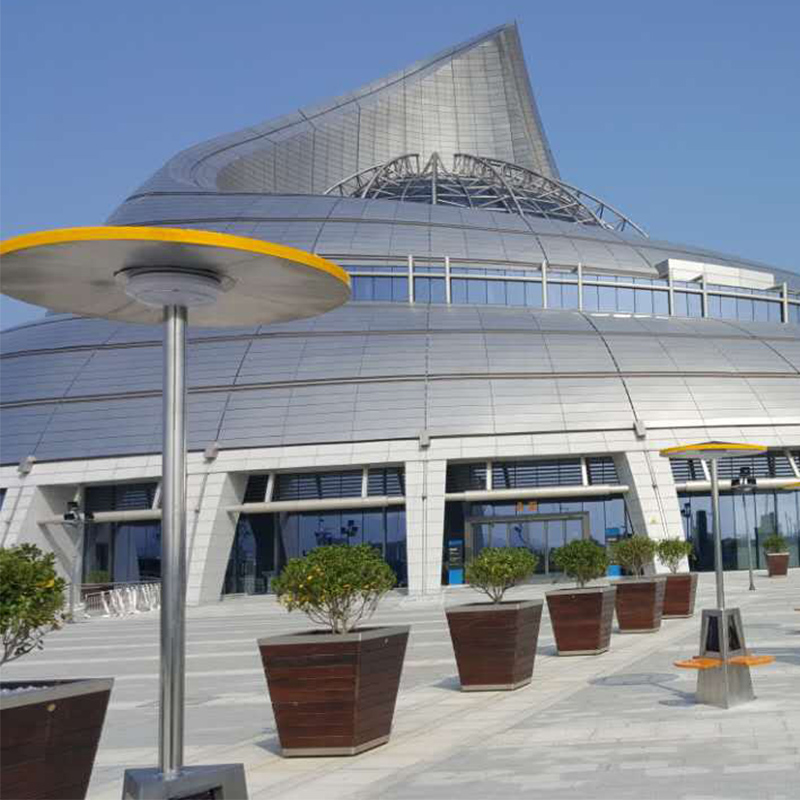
[{"x": 686, "y": 115}]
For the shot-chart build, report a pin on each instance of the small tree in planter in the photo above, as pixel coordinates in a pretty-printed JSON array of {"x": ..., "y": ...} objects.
[
  {"x": 333, "y": 691},
  {"x": 777, "y": 550},
  {"x": 31, "y": 600},
  {"x": 681, "y": 589},
  {"x": 583, "y": 559},
  {"x": 582, "y": 617},
  {"x": 41, "y": 721},
  {"x": 640, "y": 600},
  {"x": 634, "y": 554},
  {"x": 498, "y": 569},
  {"x": 495, "y": 642},
  {"x": 335, "y": 586}
]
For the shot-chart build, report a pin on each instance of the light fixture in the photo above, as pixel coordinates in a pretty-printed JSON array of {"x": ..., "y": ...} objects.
[{"x": 171, "y": 286}]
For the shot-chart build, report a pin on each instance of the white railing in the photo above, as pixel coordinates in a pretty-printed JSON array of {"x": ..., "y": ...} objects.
[{"x": 122, "y": 601}]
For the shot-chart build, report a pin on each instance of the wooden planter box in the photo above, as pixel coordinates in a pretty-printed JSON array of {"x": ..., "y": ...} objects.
[
  {"x": 49, "y": 737},
  {"x": 679, "y": 595},
  {"x": 777, "y": 564},
  {"x": 640, "y": 603},
  {"x": 495, "y": 643},
  {"x": 582, "y": 619},
  {"x": 334, "y": 695}
]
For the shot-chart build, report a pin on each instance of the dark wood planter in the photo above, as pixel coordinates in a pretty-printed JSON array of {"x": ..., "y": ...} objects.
[
  {"x": 495, "y": 643},
  {"x": 582, "y": 619},
  {"x": 640, "y": 603},
  {"x": 777, "y": 564},
  {"x": 49, "y": 737},
  {"x": 334, "y": 695},
  {"x": 679, "y": 595}
]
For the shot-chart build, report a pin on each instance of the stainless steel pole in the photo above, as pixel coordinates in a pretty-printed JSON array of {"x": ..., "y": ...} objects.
[
  {"x": 173, "y": 544},
  {"x": 749, "y": 542},
  {"x": 717, "y": 535},
  {"x": 723, "y": 620}
]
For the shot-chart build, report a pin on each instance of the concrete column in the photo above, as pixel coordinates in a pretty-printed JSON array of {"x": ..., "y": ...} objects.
[
  {"x": 425, "y": 525},
  {"x": 23, "y": 512},
  {"x": 211, "y": 532},
  {"x": 652, "y": 501}
]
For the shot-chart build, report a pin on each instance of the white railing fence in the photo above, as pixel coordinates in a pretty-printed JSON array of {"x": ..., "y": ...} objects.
[{"x": 122, "y": 601}]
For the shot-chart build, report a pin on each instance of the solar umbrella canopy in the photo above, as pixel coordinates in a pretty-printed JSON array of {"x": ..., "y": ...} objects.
[
  {"x": 229, "y": 280},
  {"x": 710, "y": 451},
  {"x": 149, "y": 275}
]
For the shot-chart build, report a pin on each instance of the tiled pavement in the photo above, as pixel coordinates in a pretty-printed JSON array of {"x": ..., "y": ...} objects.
[{"x": 621, "y": 725}]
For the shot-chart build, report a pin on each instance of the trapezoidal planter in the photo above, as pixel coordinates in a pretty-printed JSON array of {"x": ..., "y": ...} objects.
[
  {"x": 495, "y": 643},
  {"x": 49, "y": 737},
  {"x": 679, "y": 595},
  {"x": 582, "y": 619},
  {"x": 640, "y": 603},
  {"x": 334, "y": 694},
  {"x": 777, "y": 565}
]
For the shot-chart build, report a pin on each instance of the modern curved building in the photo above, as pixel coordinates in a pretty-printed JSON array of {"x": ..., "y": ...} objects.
[{"x": 516, "y": 353}]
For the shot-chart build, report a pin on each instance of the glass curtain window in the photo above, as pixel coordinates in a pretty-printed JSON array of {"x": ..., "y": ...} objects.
[
  {"x": 384, "y": 529},
  {"x": 127, "y": 552},
  {"x": 756, "y": 515}
]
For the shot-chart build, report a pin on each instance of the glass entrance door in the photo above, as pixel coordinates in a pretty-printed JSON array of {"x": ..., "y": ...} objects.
[{"x": 541, "y": 534}]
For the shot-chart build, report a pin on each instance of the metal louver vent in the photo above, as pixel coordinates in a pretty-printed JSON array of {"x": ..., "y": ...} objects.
[
  {"x": 466, "y": 477},
  {"x": 533, "y": 474},
  {"x": 389, "y": 482},
  {"x": 684, "y": 470},
  {"x": 768, "y": 465},
  {"x": 256, "y": 489},
  {"x": 601, "y": 470},
  {"x": 318, "y": 485},
  {"x": 120, "y": 497}
]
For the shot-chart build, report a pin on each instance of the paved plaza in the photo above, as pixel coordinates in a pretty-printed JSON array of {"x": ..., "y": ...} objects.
[{"x": 622, "y": 725}]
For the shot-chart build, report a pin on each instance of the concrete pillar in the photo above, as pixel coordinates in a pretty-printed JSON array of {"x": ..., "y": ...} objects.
[
  {"x": 38, "y": 503},
  {"x": 425, "y": 525},
  {"x": 210, "y": 531},
  {"x": 652, "y": 501}
]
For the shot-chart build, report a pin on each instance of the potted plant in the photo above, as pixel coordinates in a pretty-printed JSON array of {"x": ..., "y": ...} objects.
[
  {"x": 680, "y": 589},
  {"x": 49, "y": 730},
  {"x": 777, "y": 550},
  {"x": 582, "y": 616},
  {"x": 640, "y": 599},
  {"x": 333, "y": 689},
  {"x": 495, "y": 642}
]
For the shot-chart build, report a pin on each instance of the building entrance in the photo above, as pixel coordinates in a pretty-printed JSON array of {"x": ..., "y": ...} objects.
[{"x": 540, "y": 533}]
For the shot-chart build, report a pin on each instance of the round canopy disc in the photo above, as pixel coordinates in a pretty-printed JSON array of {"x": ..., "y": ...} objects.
[
  {"x": 712, "y": 450},
  {"x": 75, "y": 270}
]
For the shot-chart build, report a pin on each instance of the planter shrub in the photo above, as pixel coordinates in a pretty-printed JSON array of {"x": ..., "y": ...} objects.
[
  {"x": 334, "y": 690},
  {"x": 48, "y": 734},
  {"x": 31, "y": 600},
  {"x": 634, "y": 554},
  {"x": 495, "y": 642},
  {"x": 777, "y": 550},
  {"x": 681, "y": 589},
  {"x": 498, "y": 569},
  {"x": 640, "y": 600},
  {"x": 335, "y": 586},
  {"x": 582, "y": 616}
]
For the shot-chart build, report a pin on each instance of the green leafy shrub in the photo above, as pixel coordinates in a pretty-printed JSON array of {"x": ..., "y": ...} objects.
[
  {"x": 582, "y": 559},
  {"x": 634, "y": 553},
  {"x": 775, "y": 543},
  {"x": 497, "y": 569},
  {"x": 336, "y": 585},
  {"x": 98, "y": 576},
  {"x": 673, "y": 551},
  {"x": 31, "y": 599}
]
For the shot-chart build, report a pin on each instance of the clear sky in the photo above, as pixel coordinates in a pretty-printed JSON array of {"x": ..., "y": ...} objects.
[{"x": 685, "y": 115}]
